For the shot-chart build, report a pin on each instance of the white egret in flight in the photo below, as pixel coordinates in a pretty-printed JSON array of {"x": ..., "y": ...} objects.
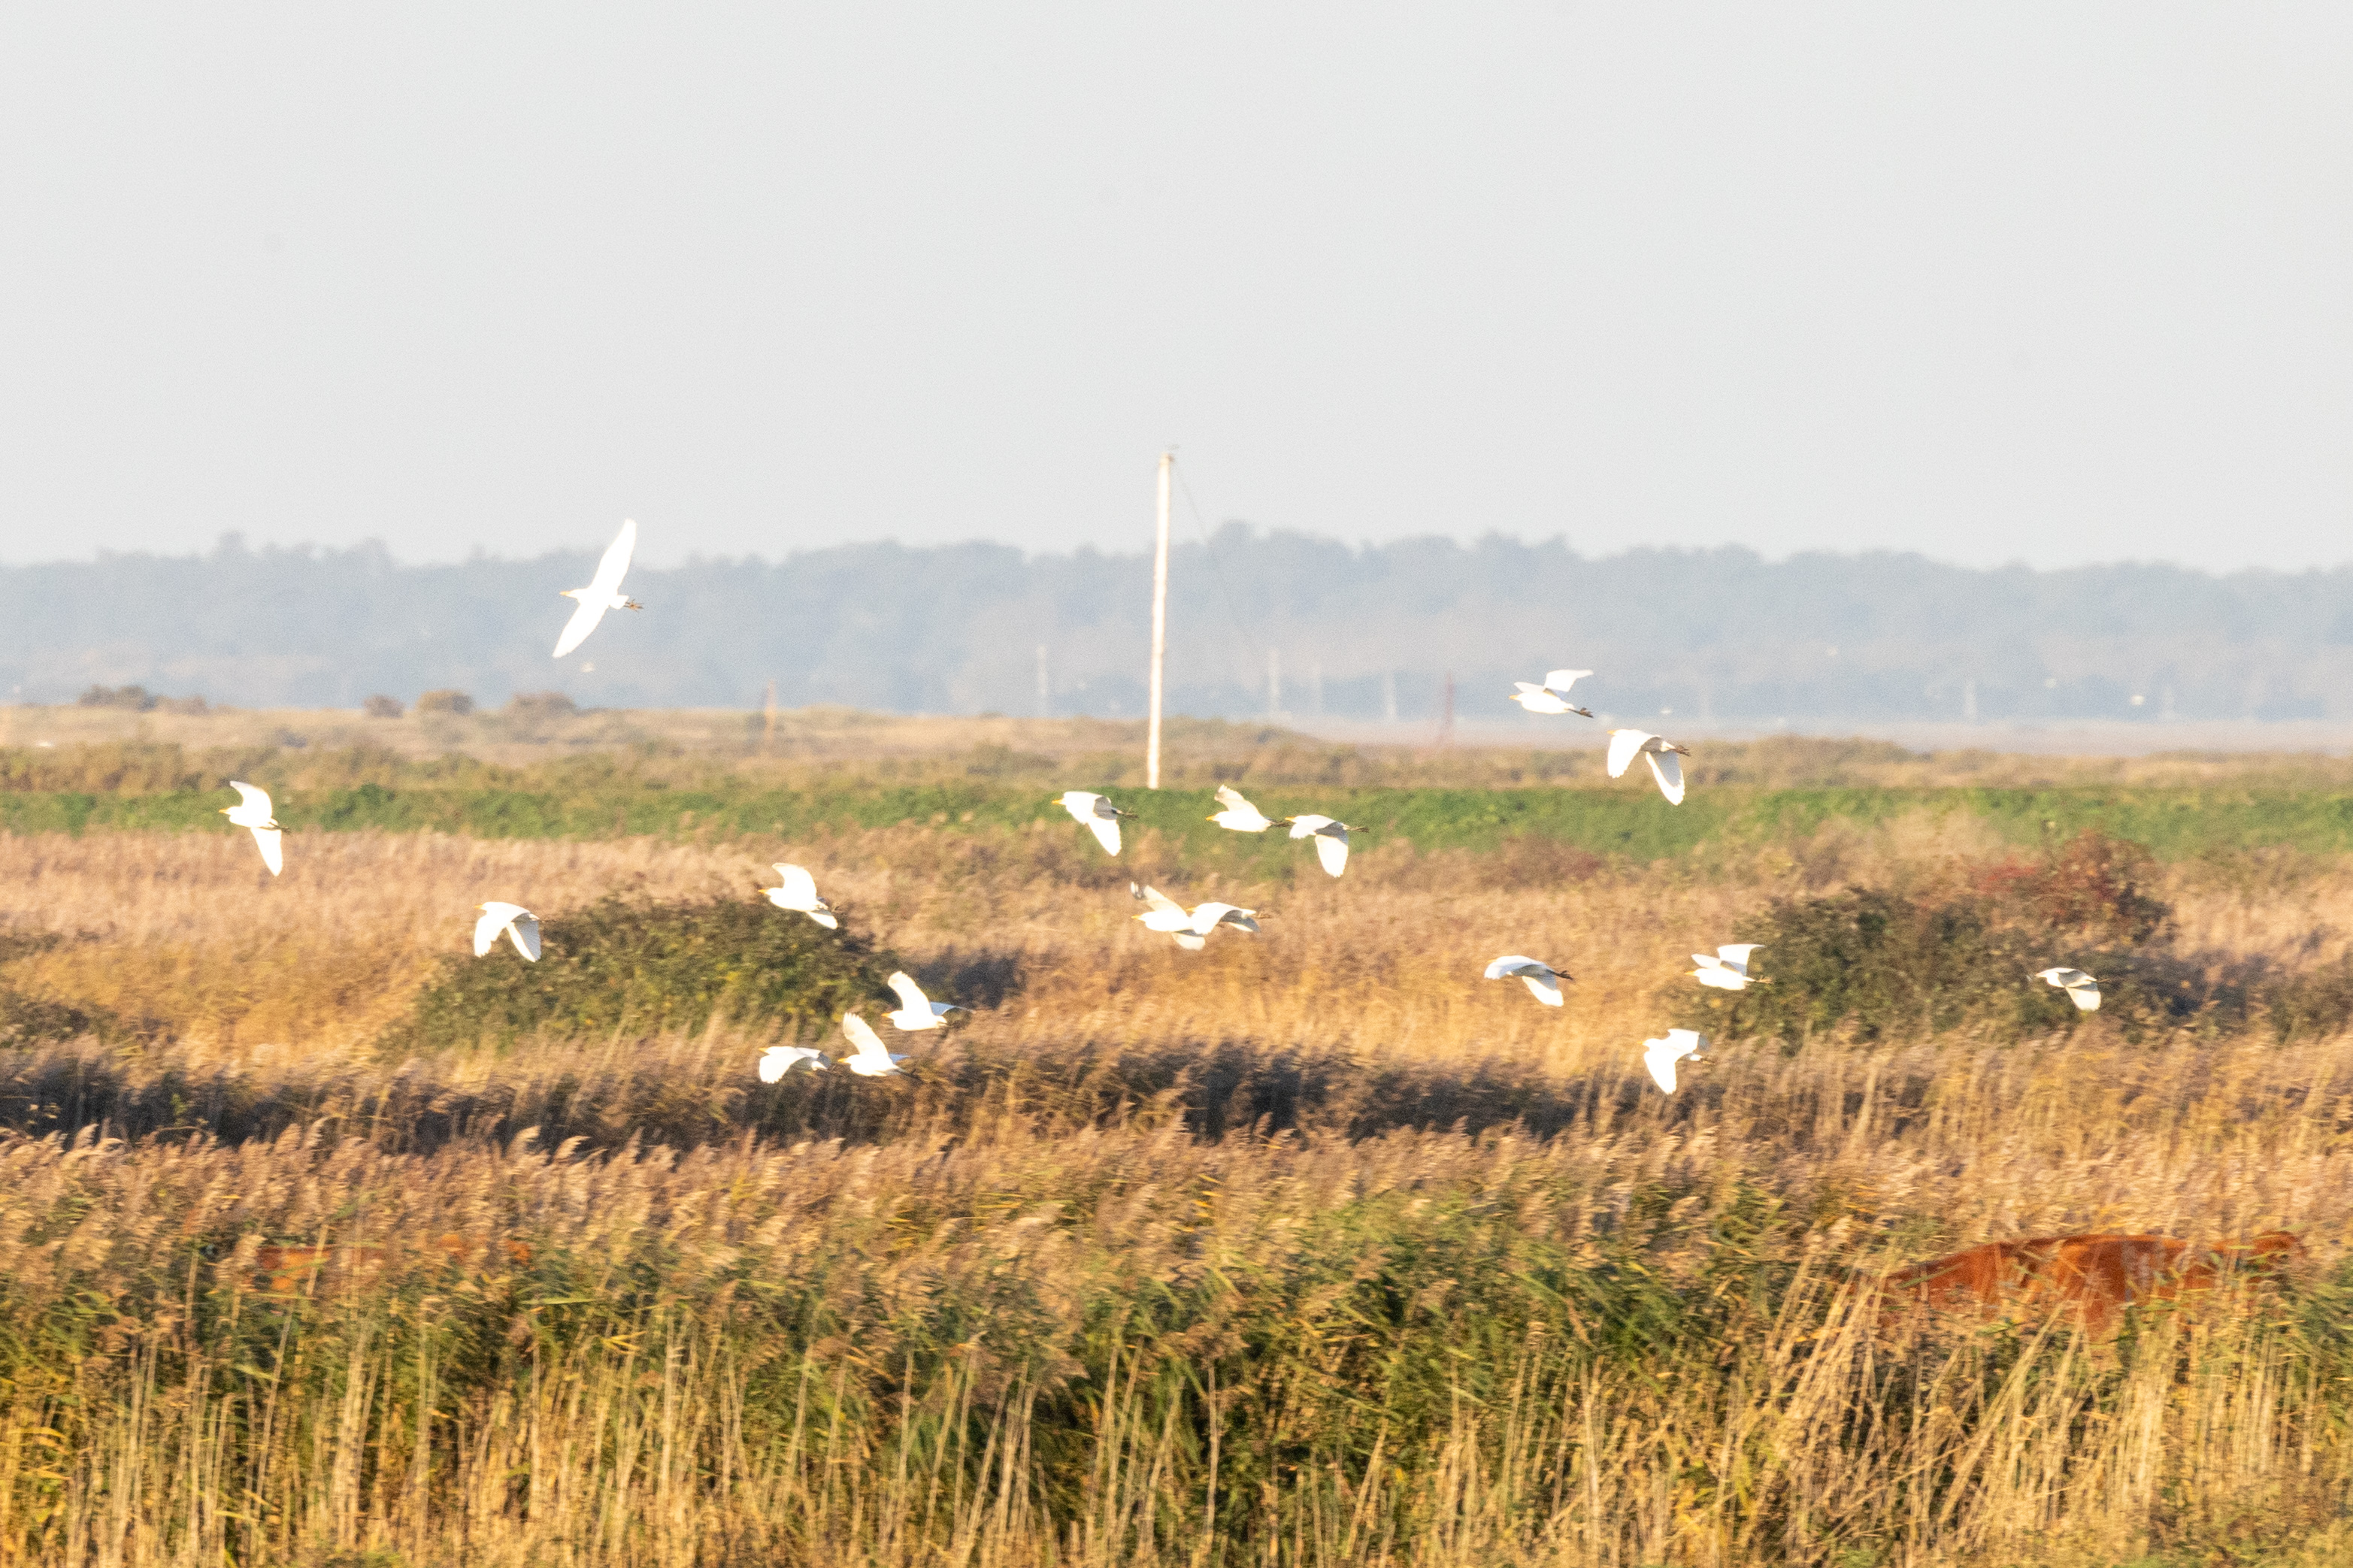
[
  {"x": 917, "y": 1011},
  {"x": 252, "y": 811},
  {"x": 1660, "y": 1055},
  {"x": 1552, "y": 697},
  {"x": 1191, "y": 928},
  {"x": 799, "y": 894},
  {"x": 602, "y": 593},
  {"x": 778, "y": 1060},
  {"x": 2081, "y": 988},
  {"x": 869, "y": 1060},
  {"x": 1728, "y": 969},
  {"x": 1240, "y": 815},
  {"x": 518, "y": 923},
  {"x": 1331, "y": 840},
  {"x": 1097, "y": 814},
  {"x": 1542, "y": 979},
  {"x": 1626, "y": 744}
]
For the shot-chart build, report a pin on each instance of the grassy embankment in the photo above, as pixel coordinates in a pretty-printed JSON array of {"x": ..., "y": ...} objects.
[{"x": 1312, "y": 1246}]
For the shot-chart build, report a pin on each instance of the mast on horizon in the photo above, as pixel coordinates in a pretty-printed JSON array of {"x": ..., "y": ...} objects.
[{"x": 1159, "y": 625}]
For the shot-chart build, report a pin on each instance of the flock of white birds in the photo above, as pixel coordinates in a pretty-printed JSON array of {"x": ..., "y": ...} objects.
[{"x": 1726, "y": 969}]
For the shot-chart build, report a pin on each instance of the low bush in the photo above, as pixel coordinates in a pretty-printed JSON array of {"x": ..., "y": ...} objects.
[
  {"x": 1877, "y": 965},
  {"x": 542, "y": 705},
  {"x": 2093, "y": 885},
  {"x": 1873, "y": 963},
  {"x": 445, "y": 700},
  {"x": 138, "y": 698},
  {"x": 383, "y": 706},
  {"x": 27, "y": 1021},
  {"x": 624, "y": 964}
]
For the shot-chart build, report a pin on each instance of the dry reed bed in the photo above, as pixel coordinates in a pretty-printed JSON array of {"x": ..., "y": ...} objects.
[
  {"x": 1469, "y": 1293},
  {"x": 1633, "y": 1341},
  {"x": 190, "y": 931}
]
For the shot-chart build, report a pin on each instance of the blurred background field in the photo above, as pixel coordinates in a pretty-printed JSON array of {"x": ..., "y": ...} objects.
[{"x": 1313, "y": 1246}]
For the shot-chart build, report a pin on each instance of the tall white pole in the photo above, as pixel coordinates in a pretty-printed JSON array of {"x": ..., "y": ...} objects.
[{"x": 1159, "y": 625}]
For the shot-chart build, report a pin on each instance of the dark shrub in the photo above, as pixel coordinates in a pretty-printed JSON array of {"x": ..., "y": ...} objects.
[
  {"x": 34, "y": 1020},
  {"x": 1876, "y": 963},
  {"x": 382, "y": 707},
  {"x": 135, "y": 698},
  {"x": 622, "y": 964},
  {"x": 542, "y": 705},
  {"x": 446, "y": 701},
  {"x": 2093, "y": 885}
]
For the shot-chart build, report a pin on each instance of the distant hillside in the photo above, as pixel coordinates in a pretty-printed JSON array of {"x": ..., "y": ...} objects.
[{"x": 1721, "y": 635}]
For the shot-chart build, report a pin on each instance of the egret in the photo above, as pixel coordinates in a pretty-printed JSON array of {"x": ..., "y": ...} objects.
[
  {"x": 869, "y": 1060},
  {"x": 1096, "y": 814},
  {"x": 2081, "y": 988},
  {"x": 602, "y": 593},
  {"x": 778, "y": 1060},
  {"x": 1626, "y": 744},
  {"x": 1542, "y": 979},
  {"x": 252, "y": 810},
  {"x": 1660, "y": 1055},
  {"x": 1552, "y": 697},
  {"x": 1240, "y": 815},
  {"x": 1728, "y": 969},
  {"x": 1208, "y": 917},
  {"x": 919, "y": 1011},
  {"x": 1331, "y": 840},
  {"x": 1191, "y": 928},
  {"x": 518, "y": 923},
  {"x": 799, "y": 894}
]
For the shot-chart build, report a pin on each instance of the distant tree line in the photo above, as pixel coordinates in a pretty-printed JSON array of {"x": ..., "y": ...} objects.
[{"x": 1259, "y": 622}]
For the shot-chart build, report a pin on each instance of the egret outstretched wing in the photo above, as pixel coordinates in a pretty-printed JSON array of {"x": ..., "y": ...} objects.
[
  {"x": 614, "y": 564},
  {"x": 1159, "y": 903},
  {"x": 778, "y": 1060},
  {"x": 1558, "y": 681},
  {"x": 1624, "y": 744},
  {"x": 252, "y": 811},
  {"x": 1331, "y": 840},
  {"x": 1098, "y": 814},
  {"x": 2081, "y": 988},
  {"x": 1668, "y": 768},
  {"x": 1660, "y": 1055},
  {"x": 584, "y": 621},
  {"x": 1542, "y": 979},
  {"x": 1332, "y": 848},
  {"x": 871, "y": 1059},
  {"x": 513, "y": 919},
  {"x": 917, "y": 1011},
  {"x": 1207, "y": 918},
  {"x": 797, "y": 891},
  {"x": 1240, "y": 816}
]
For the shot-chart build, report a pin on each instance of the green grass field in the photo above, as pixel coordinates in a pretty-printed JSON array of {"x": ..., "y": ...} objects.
[{"x": 1625, "y": 819}]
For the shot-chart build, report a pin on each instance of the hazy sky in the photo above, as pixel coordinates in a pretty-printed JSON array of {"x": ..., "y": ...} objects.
[{"x": 2045, "y": 283}]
